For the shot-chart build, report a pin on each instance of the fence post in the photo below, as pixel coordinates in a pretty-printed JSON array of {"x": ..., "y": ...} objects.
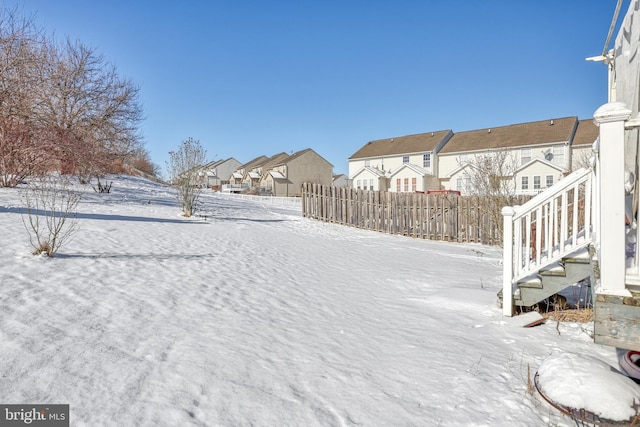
[
  {"x": 507, "y": 261},
  {"x": 611, "y": 238}
]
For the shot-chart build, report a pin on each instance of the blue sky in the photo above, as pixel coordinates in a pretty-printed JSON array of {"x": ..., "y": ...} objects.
[{"x": 248, "y": 78}]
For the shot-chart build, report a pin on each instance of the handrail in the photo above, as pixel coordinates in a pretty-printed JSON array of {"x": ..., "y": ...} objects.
[
  {"x": 545, "y": 229},
  {"x": 552, "y": 191}
]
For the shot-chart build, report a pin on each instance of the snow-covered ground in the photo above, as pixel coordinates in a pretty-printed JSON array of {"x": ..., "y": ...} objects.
[{"x": 258, "y": 316}]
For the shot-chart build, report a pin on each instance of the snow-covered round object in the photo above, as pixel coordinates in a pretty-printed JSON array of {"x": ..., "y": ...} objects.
[{"x": 581, "y": 381}]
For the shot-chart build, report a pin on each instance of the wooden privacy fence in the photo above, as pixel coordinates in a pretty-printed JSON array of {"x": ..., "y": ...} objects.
[{"x": 437, "y": 216}]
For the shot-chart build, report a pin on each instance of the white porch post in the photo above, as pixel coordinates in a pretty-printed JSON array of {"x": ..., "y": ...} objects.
[
  {"x": 610, "y": 241},
  {"x": 507, "y": 260}
]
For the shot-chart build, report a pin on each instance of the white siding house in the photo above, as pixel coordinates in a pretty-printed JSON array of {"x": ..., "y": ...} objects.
[
  {"x": 582, "y": 145},
  {"x": 538, "y": 154},
  {"x": 537, "y": 175},
  {"x": 378, "y": 164},
  {"x": 370, "y": 178}
]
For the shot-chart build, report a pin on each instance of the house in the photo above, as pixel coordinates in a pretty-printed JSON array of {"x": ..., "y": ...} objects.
[
  {"x": 532, "y": 156},
  {"x": 217, "y": 173},
  {"x": 406, "y": 163},
  {"x": 236, "y": 184},
  {"x": 285, "y": 177},
  {"x": 582, "y": 146},
  {"x": 341, "y": 180},
  {"x": 253, "y": 176}
]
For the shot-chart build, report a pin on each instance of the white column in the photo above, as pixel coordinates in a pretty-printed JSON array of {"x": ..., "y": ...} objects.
[
  {"x": 610, "y": 241},
  {"x": 507, "y": 260}
]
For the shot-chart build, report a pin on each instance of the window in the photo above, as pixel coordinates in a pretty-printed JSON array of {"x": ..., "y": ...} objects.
[
  {"x": 371, "y": 184},
  {"x": 367, "y": 163},
  {"x": 426, "y": 160},
  {"x": 536, "y": 182},
  {"x": 463, "y": 185},
  {"x": 462, "y": 158},
  {"x": 524, "y": 182},
  {"x": 549, "y": 181},
  {"x": 398, "y": 188},
  {"x": 406, "y": 184},
  {"x": 525, "y": 155},
  {"x": 414, "y": 184},
  {"x": 359, "y": 183},
  {"x": 405, "y": 159}
]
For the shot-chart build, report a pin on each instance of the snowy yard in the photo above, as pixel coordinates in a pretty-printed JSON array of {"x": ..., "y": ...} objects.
[{"x": 258, "y": 316}]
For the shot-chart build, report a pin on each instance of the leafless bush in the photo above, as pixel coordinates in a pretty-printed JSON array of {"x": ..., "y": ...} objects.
[
  {"x": 184, "y": 169},
  {"x": 103, "y": 188},
  {"x": 492, "y": 176},
  {"x": 51, "y": 217}
]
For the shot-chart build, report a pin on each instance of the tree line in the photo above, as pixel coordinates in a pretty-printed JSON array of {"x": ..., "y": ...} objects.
[{"x": 63, "y": 107}]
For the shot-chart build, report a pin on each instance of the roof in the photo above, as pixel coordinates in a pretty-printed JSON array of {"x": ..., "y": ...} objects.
[
  {"x": 417, "y": 169},
  {"x": 274, "y": 160},
  {"x": 422, "y": 142},
  {"x": 254, "y": 175},
  {"x": 586, "y": 133},
  {"x": 518, "y": 135},
  {"x": 297, "y": 154},
  {"x": 276, "y": 175},
  {"x": 213, "y": 164},
  {"x": 373, "y": 171},
  {"x": 459, "y": 168},
  {"x": 254, "y": 163},
  {"x": 539, "y": 160}
]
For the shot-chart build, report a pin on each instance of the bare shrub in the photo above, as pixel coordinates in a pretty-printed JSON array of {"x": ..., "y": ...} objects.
[
  {"x": 492, "y": 177},
  {"x": 51, "y": 217},
  {"x": 103, "y": 188},
  {"x": 184, "y": 169}
]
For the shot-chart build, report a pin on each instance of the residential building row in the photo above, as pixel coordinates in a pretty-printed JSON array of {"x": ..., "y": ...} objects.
[
  {"x": 529, "y": 157},
  {"x": 280, "y": 175}
]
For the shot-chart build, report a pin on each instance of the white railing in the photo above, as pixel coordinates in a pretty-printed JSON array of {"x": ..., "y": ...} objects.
[
  {"x": 291, "y": 202},
  {"x": 234, "y": 188},
  {"x": 548, "y": 227}
]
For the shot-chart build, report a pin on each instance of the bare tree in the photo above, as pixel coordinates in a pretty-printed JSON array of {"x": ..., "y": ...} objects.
[
  {"x": 184, "y": 167},
  {"x": 93, "y": 112},
  {"x": 140, "y": 160},
  {"x": 22, "y": 151},
  {"x": 492, "y": 177},
  {"x": 60, "y": 101},
  {"x": 51, "y": 217}
]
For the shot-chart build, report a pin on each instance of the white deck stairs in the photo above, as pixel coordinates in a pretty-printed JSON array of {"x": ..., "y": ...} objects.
[
  {"x": 552, "y": 279},
  {"x": 546, "y": 242}
]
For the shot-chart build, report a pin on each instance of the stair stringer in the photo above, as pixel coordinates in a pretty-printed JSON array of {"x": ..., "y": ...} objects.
[{"x": 545, "y": 283}]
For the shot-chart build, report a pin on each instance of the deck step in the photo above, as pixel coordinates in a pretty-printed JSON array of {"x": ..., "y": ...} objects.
[
  {"x": 532, "y": 281},
  {"x": 555, "y": 269},
  {"x": 553, "y": 279}
]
